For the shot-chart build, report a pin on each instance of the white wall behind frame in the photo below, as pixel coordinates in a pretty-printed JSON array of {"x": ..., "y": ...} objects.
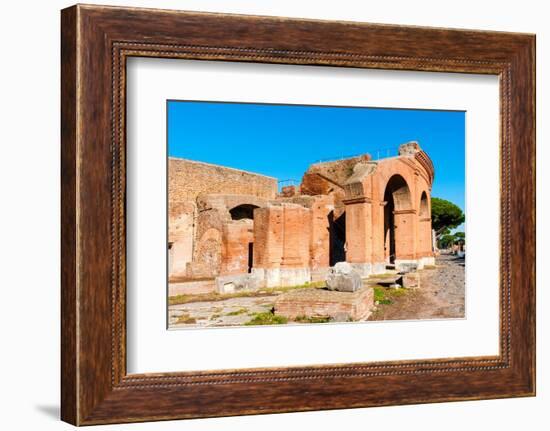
[{"x": 30, "y": 133}]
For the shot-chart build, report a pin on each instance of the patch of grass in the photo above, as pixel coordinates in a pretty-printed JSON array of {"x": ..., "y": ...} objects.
[
  {"x": 312, "y": 319},
  {"x": 267, "y": 318},
  {"x": 185, "y": 318},
  {"x": 397, "y": 292},
  {"x": 215, "y": 296},
  {"x": 237, "y": 312},
  {"x": 385, "y": 296},
  {"x": 430, "y": 266},
  {"x": 380, "y": 295}
]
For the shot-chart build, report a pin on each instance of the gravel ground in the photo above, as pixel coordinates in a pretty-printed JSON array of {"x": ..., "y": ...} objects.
[{"x": 441, "y": 294}]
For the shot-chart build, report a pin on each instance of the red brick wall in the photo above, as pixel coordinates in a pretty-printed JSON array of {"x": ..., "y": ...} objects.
[
  {"x": 320, "y": 234},
  {"x": 296, "y": 231},
  {"x": 236, "y": 238},
  {"x": 268, "y": 237},
  {"x": 187, "y": 179}
]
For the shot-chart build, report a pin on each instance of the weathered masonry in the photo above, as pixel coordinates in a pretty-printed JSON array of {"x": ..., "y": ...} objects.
[{"x": 234, "y": 227}]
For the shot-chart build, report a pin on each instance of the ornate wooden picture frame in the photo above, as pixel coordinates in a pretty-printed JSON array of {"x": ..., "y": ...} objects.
[{"x": 96, "y": 42}]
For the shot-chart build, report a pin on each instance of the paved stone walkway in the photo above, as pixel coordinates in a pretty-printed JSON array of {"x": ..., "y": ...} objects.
[{"x": 227, "y": 312}]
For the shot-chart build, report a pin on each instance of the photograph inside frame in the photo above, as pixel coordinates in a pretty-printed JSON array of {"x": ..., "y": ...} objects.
[{"x": 302, "y": 214}]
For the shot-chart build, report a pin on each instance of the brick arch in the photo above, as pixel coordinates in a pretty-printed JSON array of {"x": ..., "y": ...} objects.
[
  {"x": 391, "y": 169},
  {"x": 397, "y": 188},
  {"x": 233, "y": 201},
  {"x": 399, "y": 220},
  {"x": 243, "y": 211},
  {"x": 424, "y": 205},
  {"x": 227, "y": 202}
]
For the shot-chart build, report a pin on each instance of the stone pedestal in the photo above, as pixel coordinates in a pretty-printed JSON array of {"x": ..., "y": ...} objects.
[
  {"x": 326, "y": 303},
  {"x": 411, "y": 280},
  {"x": 236, "y": 283},
  {"x": 343, "y": 278}
]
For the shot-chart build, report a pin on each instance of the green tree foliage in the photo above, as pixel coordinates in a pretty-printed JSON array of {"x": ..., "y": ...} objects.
[
  {"x": 445, "y": 215},
  {"x": 460, "y": 235},
  {"x": 446, "y": 241}
]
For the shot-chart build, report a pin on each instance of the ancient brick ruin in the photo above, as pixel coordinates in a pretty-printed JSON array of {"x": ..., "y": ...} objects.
[{"x": 236, "y": 229}]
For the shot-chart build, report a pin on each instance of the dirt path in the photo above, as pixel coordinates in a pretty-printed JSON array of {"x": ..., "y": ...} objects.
[{"x": 441, "y": 294}]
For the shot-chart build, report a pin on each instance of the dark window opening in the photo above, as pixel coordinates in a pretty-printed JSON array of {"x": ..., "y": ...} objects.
[
  {"x": 244, "y": 211},
  {"x": 337, "y": 238}
]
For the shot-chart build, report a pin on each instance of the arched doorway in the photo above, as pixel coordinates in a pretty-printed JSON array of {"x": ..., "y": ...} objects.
[
  {"x": 245, "y": 211},
  {"x": 397, "y": 196},
  {"x": 424, "y": 208},
  {"x": 337, "y": 238},
  {"x": 425, "y": 246}
]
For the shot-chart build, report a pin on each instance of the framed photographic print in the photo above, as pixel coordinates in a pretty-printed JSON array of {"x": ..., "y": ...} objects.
[{"x": 267, "y": 215}]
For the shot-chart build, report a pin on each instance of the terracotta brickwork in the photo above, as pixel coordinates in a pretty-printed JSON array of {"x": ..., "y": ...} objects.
[
  {"x": 200, "y": 199},
  {"x": 383, "y": 207},
  {"x": 188, "y": 179},
  {"x": 342, "y": 306},
  {"x": 238, "y": 236},
  {"x": 180, "y": 236},
  {"x": 226, "y": 222},
  {"x": 319, "y": 246}
]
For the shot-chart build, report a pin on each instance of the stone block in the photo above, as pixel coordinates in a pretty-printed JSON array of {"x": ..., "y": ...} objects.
[
  {"x": 404, "y": 267},
  {"x": 236, "y": 283},
  {"x": 343, "y": 278},
  {"x": 281, "y": 277},
  {"x": 410, "y": 280},
  {"x": 338, "y": 306},
  {"x": 363, "y": 269}
]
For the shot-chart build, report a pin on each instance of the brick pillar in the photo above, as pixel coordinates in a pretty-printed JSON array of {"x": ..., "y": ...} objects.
[
  {"x": 405, "y": 234},
  {"x": 236, "y": 235},
  {"x": 359, "y": 233},
  {"x": 281, "y": 245},
  {"x": 268, "y": 237},
  {"x": 378, "y": 232},
  {"x": 425, "y": 237},
  {"x": 320, "y": 232},
  {"x": 296, "y": 228}
]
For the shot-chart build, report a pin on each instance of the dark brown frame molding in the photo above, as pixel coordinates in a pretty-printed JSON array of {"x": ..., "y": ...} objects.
[{"x": 95, "y": 43}]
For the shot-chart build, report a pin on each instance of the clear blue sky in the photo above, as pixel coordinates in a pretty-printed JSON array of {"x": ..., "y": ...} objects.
[{"x": 283, "y": 140}]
